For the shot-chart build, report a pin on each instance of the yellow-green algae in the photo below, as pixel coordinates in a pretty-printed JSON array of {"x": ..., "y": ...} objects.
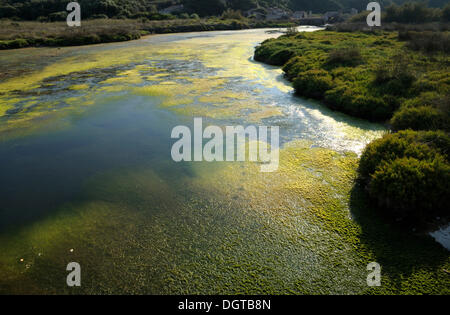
[
  {"x": 79, "y": 87},
  {"x": 126, "y": 80},
  {"x": 183, "y": 92},
  {"x": 222, "y": 229}
]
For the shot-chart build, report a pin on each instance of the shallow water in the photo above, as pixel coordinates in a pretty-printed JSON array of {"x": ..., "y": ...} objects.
[
  {"x": 86, "y": 174},
  {"x": 442, "y": 236}
]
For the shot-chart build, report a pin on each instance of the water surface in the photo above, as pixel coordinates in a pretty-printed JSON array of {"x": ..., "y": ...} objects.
[{"x": 86, "y": 174}]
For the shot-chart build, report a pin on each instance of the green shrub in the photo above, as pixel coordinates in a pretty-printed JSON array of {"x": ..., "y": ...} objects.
[
  {"x": 57, "y": 16},
  {"x": 280, "y": 57},
  {"x": 313, "y": 83},
  {"x": 446, "y": 13},
  {"x": 395, "y": 76},
  {"x": 354, "y": 102},
  {"x": 231, "y": 14},
  {"x": 16, "y": 43},
  {"x": 274, "y": 53},
  {"x": 184, "y": 16},
  {"x": 429, "y": 98},
  {"x": 292, "y": 31},
  {"x": 407, "y": 174},
  {"x": 339, "y": 97},
  {"x": 296, "y": 65},
  {"x": 428, "y": 42},
  {"x": 418, "y": 118},
  {"x": 370, "y": 107},
  {"x": 411, "y": 12},
  {"x": 420, "y": 145},
  {"x": 428, "y": 111},
  {"x": 412, "y": 189},
  {"x": 344, "y": 57}
]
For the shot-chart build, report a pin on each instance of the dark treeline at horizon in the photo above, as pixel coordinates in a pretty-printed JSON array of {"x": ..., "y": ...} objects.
[{"x": 54, "y": 10}]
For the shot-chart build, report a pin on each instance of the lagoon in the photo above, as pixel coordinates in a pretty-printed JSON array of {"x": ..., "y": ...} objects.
[{"x": 87, "y": 176}]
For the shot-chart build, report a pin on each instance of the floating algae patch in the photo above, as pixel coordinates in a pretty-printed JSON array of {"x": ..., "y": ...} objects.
[
  {"x": 127, "y": 77},
  {"x": 177, "y": 101},
  {"x": 79, "y": 87},
  {"x": 153, "y": 90},
  {"x": 112, "y": 88},
  {"x": 82, "y": 64},
  {"x": 6, "y": 105},
  {"x": 222, "y": 96},
  {"x": 182, "y": 74},
  {"x": 265, "y": 113}
]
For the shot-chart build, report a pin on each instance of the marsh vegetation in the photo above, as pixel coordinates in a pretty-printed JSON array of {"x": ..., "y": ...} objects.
[{"x": 400, "y": 78}]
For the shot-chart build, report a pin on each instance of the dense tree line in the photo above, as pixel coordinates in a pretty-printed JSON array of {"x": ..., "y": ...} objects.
[
  {"x": 34, "y": 9},
  {"x": 56, "y": 9}
]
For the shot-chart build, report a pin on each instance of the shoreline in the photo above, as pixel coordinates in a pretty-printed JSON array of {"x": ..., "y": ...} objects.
[{"x": 16, "y": 35}]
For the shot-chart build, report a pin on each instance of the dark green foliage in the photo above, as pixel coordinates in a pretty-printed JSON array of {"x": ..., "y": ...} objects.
[
  {"x": 411, "y": 189},
  {"x": 242, "y": 5},
  {"x": 277, "y": 55},
  {"x": 205, "y": 7},
  {"x": 408, "y": 173},
  {"x": 395, "y": 76},
  {"x": 353, "y": 102},
  {"x": 418, "y": 118},
  {"x": 428, "y": 42},
  {"x": 346, "y": 81},
  {"x": 316, "y": 6},
  {"x": 344, "y": 57},
  {"x": 367, "y": 76},
  {"x": 295, "y": 66},
  {"x": 313, "y": 83},
  {"x": 230, "y": 14},
  {"x": 411, "y": 12},
  {"x": 16, "y": 43},
  {"x": 446, "y": 13},
  {"x": 428, "y": 111},
  {"x": 280, "y": 57},
  {"x": 41, "y": 9},
  {"x": 57, "y": 16},
  {"x": 419, "y": 145}
]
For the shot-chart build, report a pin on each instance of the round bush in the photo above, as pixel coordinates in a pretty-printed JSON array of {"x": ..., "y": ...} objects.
[
  {"x": 418, "y": 118},
  {"x": 313, "y": 83},
  {"x": 282, "y": 56},
  {"x": 407, "y": 174},
  {"x": 420, "y": 145},
  {"x": 411, "y": 189}
]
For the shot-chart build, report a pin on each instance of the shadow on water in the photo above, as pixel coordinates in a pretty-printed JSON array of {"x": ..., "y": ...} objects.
[
  {"x": 399, "y": 252},
  {"x": 40, "y": 173}
]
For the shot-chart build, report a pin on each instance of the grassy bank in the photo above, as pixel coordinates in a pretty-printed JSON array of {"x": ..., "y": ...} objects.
[
  {"x": 31, "y": 34},
  {"x": 368, "y": 75},
  {"x": 401, "y": 78}
]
